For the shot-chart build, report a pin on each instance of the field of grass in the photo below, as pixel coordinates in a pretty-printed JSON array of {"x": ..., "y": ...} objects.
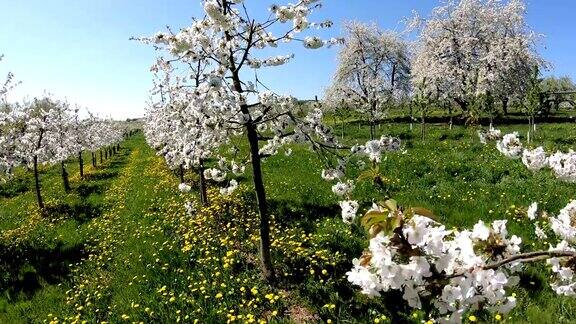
[{"x": 121, "y": 248}]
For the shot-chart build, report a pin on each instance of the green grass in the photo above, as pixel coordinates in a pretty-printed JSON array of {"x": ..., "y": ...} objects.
[
  {"x": 120, "y": 248},
  {"x": 451, "y": 173}
]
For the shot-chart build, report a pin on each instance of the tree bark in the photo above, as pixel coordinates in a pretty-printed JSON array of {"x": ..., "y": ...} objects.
[
  {"x": 411, "y": 116},
  {"x": 203, "y": 193},
  {"x": 100, "y": 156},
  {"x": 37, "y": 184},
  {"x": 181, "y": 173},
  {"x": 372, "y": 121},
  {"x": 505, "y": 106},
  {"x": 462, "y": 103},
  {"x": 423, "y": 126},
  {"x": 252, "y": 135},
  {"x": 65, "y": 179},
  {"x": 451, "y": 117},
  {"x": 265, "y": 257},
  {"x": 522, "y": 258},
  {"x": 81, "y": 163},
  {"x": 529, "y": 129},
  {"x": 93, "y": 159}
]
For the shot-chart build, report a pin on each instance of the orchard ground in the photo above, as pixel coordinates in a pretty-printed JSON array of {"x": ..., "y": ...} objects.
[{"x": 120, "y": 248}]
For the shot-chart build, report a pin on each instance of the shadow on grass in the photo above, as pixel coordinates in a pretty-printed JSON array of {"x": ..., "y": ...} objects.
[
  {"x": 102, "y": 175},
  {"x": 532, "y": 282},
  {"x": 287, "y": 212},
  {"x": 14, "y": 187},
  {"x": 117, "y": 164},
  {"x": 565, "y": 140},
  {"x": 80, "y": 211},
  {"x": 24, "y": 270},
  {"x": 84, "y": 190}
]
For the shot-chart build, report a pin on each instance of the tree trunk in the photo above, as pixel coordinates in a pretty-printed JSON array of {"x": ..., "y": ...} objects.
[
  {"x": 423, "y": 126},
  {"x": 342, "y": 128},
  {"x": 451, "y": 117},
  {"x": 265, "y": 258},
  {"x": 264, "y": 228},
  {"x": 529, "y": 129},
  {"x": 81, "y": 163},
  {"x": 251, "y": 133},
  {"x": 100, "y": 156},
  {"x": 393, "y": 81},
  {"x": 373, "y": 121},
  {"x": 505, "y": 106},
  {"x": 463, "y": 104},
  {"x": 105, "y": 153},
  {"x": 37, "y": 185},
  {"x": 93, "y": 159},
  {"x": 203, "y": 193},
  {"x": 65, "y": 179},
  {"x": 181, "y": 173},
  {"x": 411, "y": 117}
]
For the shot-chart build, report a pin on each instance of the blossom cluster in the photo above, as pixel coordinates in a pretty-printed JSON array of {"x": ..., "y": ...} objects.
[
  {"x": 564, "y": 226},
  {"x": 563, "y": 164},
  {"x": 490, "y": 135},
  {"x": 374, "y": 150},
  {"x": 510, "y": 146},
  {"x": 456, "y": 271}
]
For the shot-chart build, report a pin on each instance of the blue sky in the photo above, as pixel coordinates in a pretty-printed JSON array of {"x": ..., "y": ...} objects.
[{"x": 80, "y": 49}]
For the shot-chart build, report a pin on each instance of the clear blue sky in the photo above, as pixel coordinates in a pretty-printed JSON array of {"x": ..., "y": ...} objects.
[{"x": 80, "y": 49}]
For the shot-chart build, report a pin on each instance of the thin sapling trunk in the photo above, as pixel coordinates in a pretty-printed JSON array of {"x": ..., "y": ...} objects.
[
  {"x": 37, "y": 184},
  {"x": 65, "y": 180}
]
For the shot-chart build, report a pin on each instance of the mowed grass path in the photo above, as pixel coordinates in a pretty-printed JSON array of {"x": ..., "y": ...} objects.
[{"x": 94, "y": 269}]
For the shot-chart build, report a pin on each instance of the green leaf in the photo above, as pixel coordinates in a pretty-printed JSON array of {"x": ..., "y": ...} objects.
[
  {"x": 423, "y": 212},
  {"x": 391, "y": 205},
  {"x": 374, "y": 217},
  {"x": 369, "y": 174}
]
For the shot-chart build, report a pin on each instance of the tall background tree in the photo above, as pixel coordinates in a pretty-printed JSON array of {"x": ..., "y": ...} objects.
[
  {"x": 373, "y": 72},
  {"x": 60, "y": 137},
  {"x": 471, "y": 48},
  {"x": 8, "y": 130},
  {"x": 33, "y": 147}
]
